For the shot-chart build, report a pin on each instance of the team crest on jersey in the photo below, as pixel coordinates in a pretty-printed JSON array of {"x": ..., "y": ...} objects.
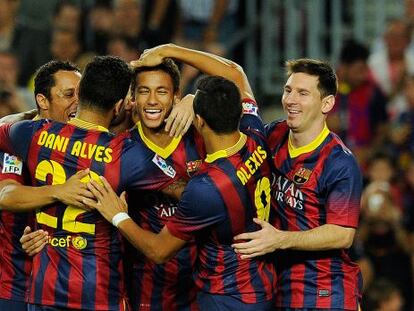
[
  {"x": 167, "y": 169},
  {"x": 12, "y": 165},
  {"x": 193, "y": 166},
  {"x": 250, "y": 108},
  {"x": 79, "y": 242},
  {"x": 302, "y": 175}
]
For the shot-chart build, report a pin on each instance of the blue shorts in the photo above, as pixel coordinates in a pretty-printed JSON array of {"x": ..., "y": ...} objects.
[
  {"x": 12, "y": 305},
  {"x": 210, "y": 302}
]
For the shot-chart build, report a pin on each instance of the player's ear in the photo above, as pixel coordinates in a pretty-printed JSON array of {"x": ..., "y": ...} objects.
[
  {"x": 328, "y": 103},
  {"x": 198, "y": 122},
  {"x": 42, "y": 101},
  {"x": 119, "y": 105},
  {"x": 176, "y": 98},
  {"x": 129, "y": 104}
]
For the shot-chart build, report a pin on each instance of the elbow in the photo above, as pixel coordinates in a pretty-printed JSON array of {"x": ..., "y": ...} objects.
[
  {"x": 237, "y": 73},
  {"x": 347, "y": 239},
  {"x": 8, "y": 195},
  {"x": 5, "y": 200}
]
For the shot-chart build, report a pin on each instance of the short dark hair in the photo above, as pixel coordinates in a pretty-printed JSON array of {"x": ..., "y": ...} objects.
[
  {"x": 218, "y": 102},
  {"x": 353, "y": 51},
  {"x": 167, "y": 65},
  {"x": 105, "y": 81},
  {"x": 45, "y": 76},
  {"x": 327, "y": 84}
]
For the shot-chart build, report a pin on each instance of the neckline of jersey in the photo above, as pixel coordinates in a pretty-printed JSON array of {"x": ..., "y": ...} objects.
[
  {"x": 163, "y": 152},
  {"x": 87, "y": 125},
  {"x": 295, "y": 152},
  {"x": 225, "y": 153}
]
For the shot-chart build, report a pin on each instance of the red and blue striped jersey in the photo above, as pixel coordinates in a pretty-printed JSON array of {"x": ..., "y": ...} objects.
[
  {"x": 82, "y": 266},
  {"x": 168, "y": 286},
  {"x": 315, "y": 185},
  {"x": 15, "y": 265},
  {"x": 219, "y": 202}
]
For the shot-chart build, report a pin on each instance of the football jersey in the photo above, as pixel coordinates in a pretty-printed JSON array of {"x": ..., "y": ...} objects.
[
  {"x": 81, "y": 267},
  {"x": 314, "y": 185},
  {"x": 219, "y": 202},
  {"x": 167, "y": 286},
  {"x": 15, "y": 265}
]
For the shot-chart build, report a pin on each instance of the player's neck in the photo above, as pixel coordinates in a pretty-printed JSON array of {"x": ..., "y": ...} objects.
[
  {"x": 94, "y": 117},
  {"x": 158, "y": 136},
  {"x": 305, "y": 137},
  {"x": 123, "y": 126},
  {"x": 216, "y": 142}
]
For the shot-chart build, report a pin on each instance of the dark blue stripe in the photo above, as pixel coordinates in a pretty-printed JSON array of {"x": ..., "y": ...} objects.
[
  {"x": 41, "y": 273},
  {"x": 309, "y": 281},
  {"x": 337, "y": 283},
  {"x": 19, "y": 257},
  {"x": 115, "y": 257}
]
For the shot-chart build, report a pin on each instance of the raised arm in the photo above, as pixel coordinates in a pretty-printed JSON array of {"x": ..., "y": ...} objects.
[
  {"x": 205, "y": 62},
  {"x": 20, "y": 116}
]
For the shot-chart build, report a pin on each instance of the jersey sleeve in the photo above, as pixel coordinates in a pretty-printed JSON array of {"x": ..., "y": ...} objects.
[
  {"x": 11, "y": 167},
  {"x": 16, "y": 138},
  {"x": 251, "y": 118},
  {"x": 5, "y": 142},
  {"x": 344, "y": 187},
  {"x": 201, "y": 206}
]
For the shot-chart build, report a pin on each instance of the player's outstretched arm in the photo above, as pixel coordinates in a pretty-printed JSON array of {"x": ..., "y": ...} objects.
[
  {"x": 157, "y": 247},
  {"x": 33, "y": 242},
  {"x": 17, "y": 197},
  {"x": 270, "y": 239},
  {"x": 205, "y": 62},
  {"x": 20, "y": 116}
]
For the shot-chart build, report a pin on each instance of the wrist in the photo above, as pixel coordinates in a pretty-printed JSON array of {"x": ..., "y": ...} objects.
[
  {"x": 55, "y": 192},
  {"x": 287, "y": 240},
  {"x": 170, "y": 50},
  {"x": 119, "y": 217}
]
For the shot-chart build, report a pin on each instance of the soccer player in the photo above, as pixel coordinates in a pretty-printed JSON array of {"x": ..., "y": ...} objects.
[
  {"x": 81, "y": 267},
  {"x": 52, "y": 80},
  {"x": 219, "y": 202},
  {"x": 316, "y": 192},
  {"x": 167, "y": 286},
  {"x": 171, "y": 282}
]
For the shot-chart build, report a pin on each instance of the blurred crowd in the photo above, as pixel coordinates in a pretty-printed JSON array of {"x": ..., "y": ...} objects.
[
  {"x": 374, "y": 111},
  {"x": 374, "y": 115},
  {"x": 34, "y": 32}
]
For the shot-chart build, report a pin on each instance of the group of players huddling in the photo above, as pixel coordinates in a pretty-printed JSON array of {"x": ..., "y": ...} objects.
[{"x": 220, "y": 213}]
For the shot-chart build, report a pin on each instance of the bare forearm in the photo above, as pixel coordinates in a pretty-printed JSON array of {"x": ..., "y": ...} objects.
[
  {"x": 16, "y": 197},
  {"x": 325, "y": 237},
  {"x": 150, "y": 244},
  {"x": 210, "y": 64}
]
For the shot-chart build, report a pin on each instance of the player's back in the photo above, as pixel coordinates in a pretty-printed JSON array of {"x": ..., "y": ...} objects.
[
  {"x": 81, "y": 267},
  {"x": 221, "y": 200}
]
